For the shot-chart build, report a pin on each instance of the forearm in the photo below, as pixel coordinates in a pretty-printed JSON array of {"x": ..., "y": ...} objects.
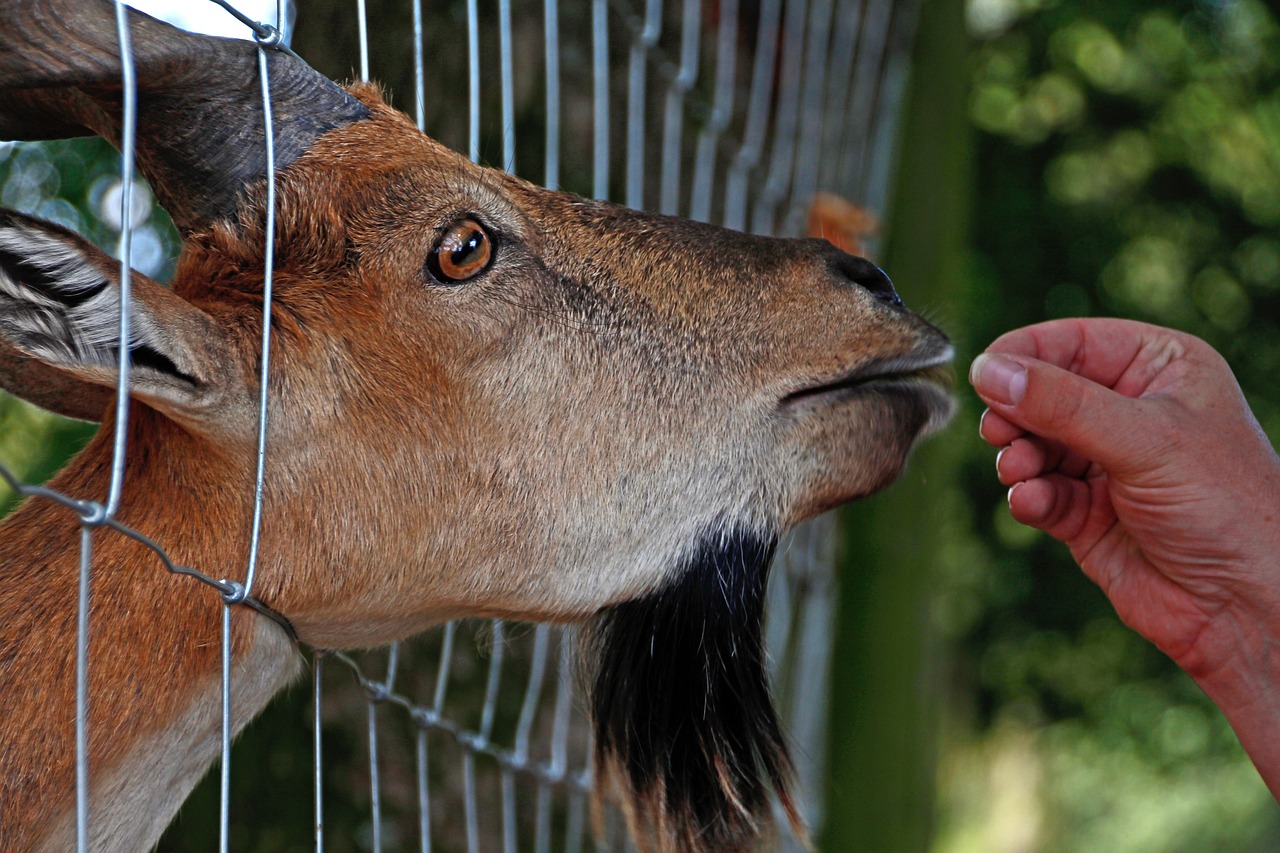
[
  {"x": 1248, "y": 690},
  {"x": 1246, "y": 687}
]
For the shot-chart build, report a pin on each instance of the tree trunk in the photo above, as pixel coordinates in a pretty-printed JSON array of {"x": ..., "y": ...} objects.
[{"x": 886, "y": 692}]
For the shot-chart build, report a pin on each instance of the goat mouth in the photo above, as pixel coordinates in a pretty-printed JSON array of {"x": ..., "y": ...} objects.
[{"x": 931, "y": 373}]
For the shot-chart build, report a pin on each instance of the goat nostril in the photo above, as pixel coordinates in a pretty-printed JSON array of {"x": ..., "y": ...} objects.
[{"x": 862, "y": 272}]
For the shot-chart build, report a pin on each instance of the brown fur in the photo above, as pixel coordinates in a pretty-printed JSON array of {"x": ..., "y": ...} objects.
[{"x": 542, "y": 442}]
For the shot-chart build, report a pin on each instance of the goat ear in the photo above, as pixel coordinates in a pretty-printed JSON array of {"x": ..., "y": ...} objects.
[{"x": 60, "y": 305}]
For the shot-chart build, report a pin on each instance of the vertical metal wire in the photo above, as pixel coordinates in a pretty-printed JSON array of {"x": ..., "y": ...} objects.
[
  {"x": 375, "y": 793},
  {"x": 508, "y": 87},
  {"x": 753, "y": 139},
  {"x": 892, "y": 90},
  {"x": 804, "y": 182},
  {"x": 533, "y": 691},
  {"x": 556, "y": 768},
  {"x": 375, "y": 786},
  {"x": 844, "y": 51},
  {"x": 419, "y": 70},
  {"x": 82, "y": 690},
  {"x": 564, "y": 704},
  {"x": 393, "y": 666},
  {"x": 128, "y": 140},
  {"x": 542, "y": 825},
  {"x": 673, "y": 126},
  {"x": 469, "y": 805},
  {"x": 600, "y": 111},
  {"x": 242, "y": 592},
  {"x": 318, "y": 764},
  {"x": 473, "y": 69},
  {"x": 508, "y": 810},
  {"x": 363, "y": 20},
  {"x": 268, "y": 275},
  {"x": 636, "y": 75},
  {"x": 871, "y": 45},
  {"x": 383, "y": 690},
  {"x": 785, "y": 121},
  {"x": 721, "y": 112},
  {"x": 551, "y": 17},
  {"x": 524, "y": 729},
  {"x": 224, "y": 811},
  {"x": 493, "y": 682},
  {"x": 424, "y": 794},
  {"x": 810, "y": 686},
  {"x": 442, "y": 674},
  {"x": 778, "y": 609},
  {"x": 507, "y": 61}
]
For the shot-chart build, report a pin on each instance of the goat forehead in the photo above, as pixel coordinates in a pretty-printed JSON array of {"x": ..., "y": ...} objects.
[
  {"x": 394, "y": 171},
  {"x": 619, "y": 237},
  {"x": 398, "y": 169}
]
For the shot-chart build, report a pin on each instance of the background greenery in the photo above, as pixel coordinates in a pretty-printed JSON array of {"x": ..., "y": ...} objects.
[
  {"x": 1124, "y": 161},
  {"x": 1059, "y": 158}
]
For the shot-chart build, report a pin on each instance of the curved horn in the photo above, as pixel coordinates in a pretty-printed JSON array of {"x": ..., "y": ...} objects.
[
  {"x": 200, "y": 135},
  {"x": 200, "y": 138}
]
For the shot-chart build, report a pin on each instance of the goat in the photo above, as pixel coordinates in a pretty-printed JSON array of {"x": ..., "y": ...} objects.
[{"x": 487, "y": 399}]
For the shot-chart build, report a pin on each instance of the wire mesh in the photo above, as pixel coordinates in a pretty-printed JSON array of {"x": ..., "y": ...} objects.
[{"x": 763, "y": 106}]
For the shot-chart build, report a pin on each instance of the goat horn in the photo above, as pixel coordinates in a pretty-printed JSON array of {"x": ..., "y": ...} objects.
[
  {"x": 200, "y": 139},
  {"x": 200, "y": 135}
]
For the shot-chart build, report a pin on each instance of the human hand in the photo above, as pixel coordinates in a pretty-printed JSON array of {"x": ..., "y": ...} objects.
[{"x": 1133, "y": 445}]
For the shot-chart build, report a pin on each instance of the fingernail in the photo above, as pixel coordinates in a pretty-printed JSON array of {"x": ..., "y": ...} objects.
[
  {"x": 1012, "y": 489},
  {"x": 998, "y": 378}
]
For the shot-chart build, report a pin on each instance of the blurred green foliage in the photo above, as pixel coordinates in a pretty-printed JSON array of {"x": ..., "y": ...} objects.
[
  {"x": 1127, "y": 163},
  {"x": 1130, "y": 164}
]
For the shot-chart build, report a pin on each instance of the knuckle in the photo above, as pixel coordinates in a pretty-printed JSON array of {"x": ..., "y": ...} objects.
[{"x": 1060, "y": 403}]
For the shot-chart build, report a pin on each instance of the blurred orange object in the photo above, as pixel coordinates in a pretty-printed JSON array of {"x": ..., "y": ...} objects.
[{"x": 846, "y": 225}]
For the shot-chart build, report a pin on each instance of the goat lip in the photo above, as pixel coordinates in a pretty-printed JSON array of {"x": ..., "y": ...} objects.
[{"x": 933, "y": 371}]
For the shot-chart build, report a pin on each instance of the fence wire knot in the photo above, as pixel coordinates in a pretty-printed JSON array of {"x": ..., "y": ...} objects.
[
  {"x": 93, "y": 514},
  {"x": 233, "y": 592},
  {"x": 268, "y": 36},
  {"x": 265, "y": 35}
]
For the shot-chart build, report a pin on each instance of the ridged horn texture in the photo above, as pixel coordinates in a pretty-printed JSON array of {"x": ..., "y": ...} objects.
[
  {"x": 200, "y": 135},
  {"x": 200, "y": 140},
  {"x": 684, "y": 723}
]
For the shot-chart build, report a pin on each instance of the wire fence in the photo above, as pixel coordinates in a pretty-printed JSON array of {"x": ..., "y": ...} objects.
[{"x": 754, "y": 115}]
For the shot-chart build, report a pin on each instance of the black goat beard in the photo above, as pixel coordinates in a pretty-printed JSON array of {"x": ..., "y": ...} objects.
[{"x": 685, "y": 728}]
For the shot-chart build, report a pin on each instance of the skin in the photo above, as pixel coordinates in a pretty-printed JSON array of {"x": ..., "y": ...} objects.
[{"x": 1134, "y": 446}]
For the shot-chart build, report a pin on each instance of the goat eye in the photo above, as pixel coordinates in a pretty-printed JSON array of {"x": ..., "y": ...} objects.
[{"x": 462, "y": 253}]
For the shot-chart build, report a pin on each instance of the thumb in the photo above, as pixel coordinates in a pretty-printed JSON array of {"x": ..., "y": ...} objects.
[{"x": 1087, "y": 418}]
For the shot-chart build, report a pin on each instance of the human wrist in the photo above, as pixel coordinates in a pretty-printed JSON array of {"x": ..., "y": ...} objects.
[{"x": 1237, "y": 665}]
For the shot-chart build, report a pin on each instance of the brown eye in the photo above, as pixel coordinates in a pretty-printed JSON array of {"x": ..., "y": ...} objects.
[{"x": 462, "y": 253}]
